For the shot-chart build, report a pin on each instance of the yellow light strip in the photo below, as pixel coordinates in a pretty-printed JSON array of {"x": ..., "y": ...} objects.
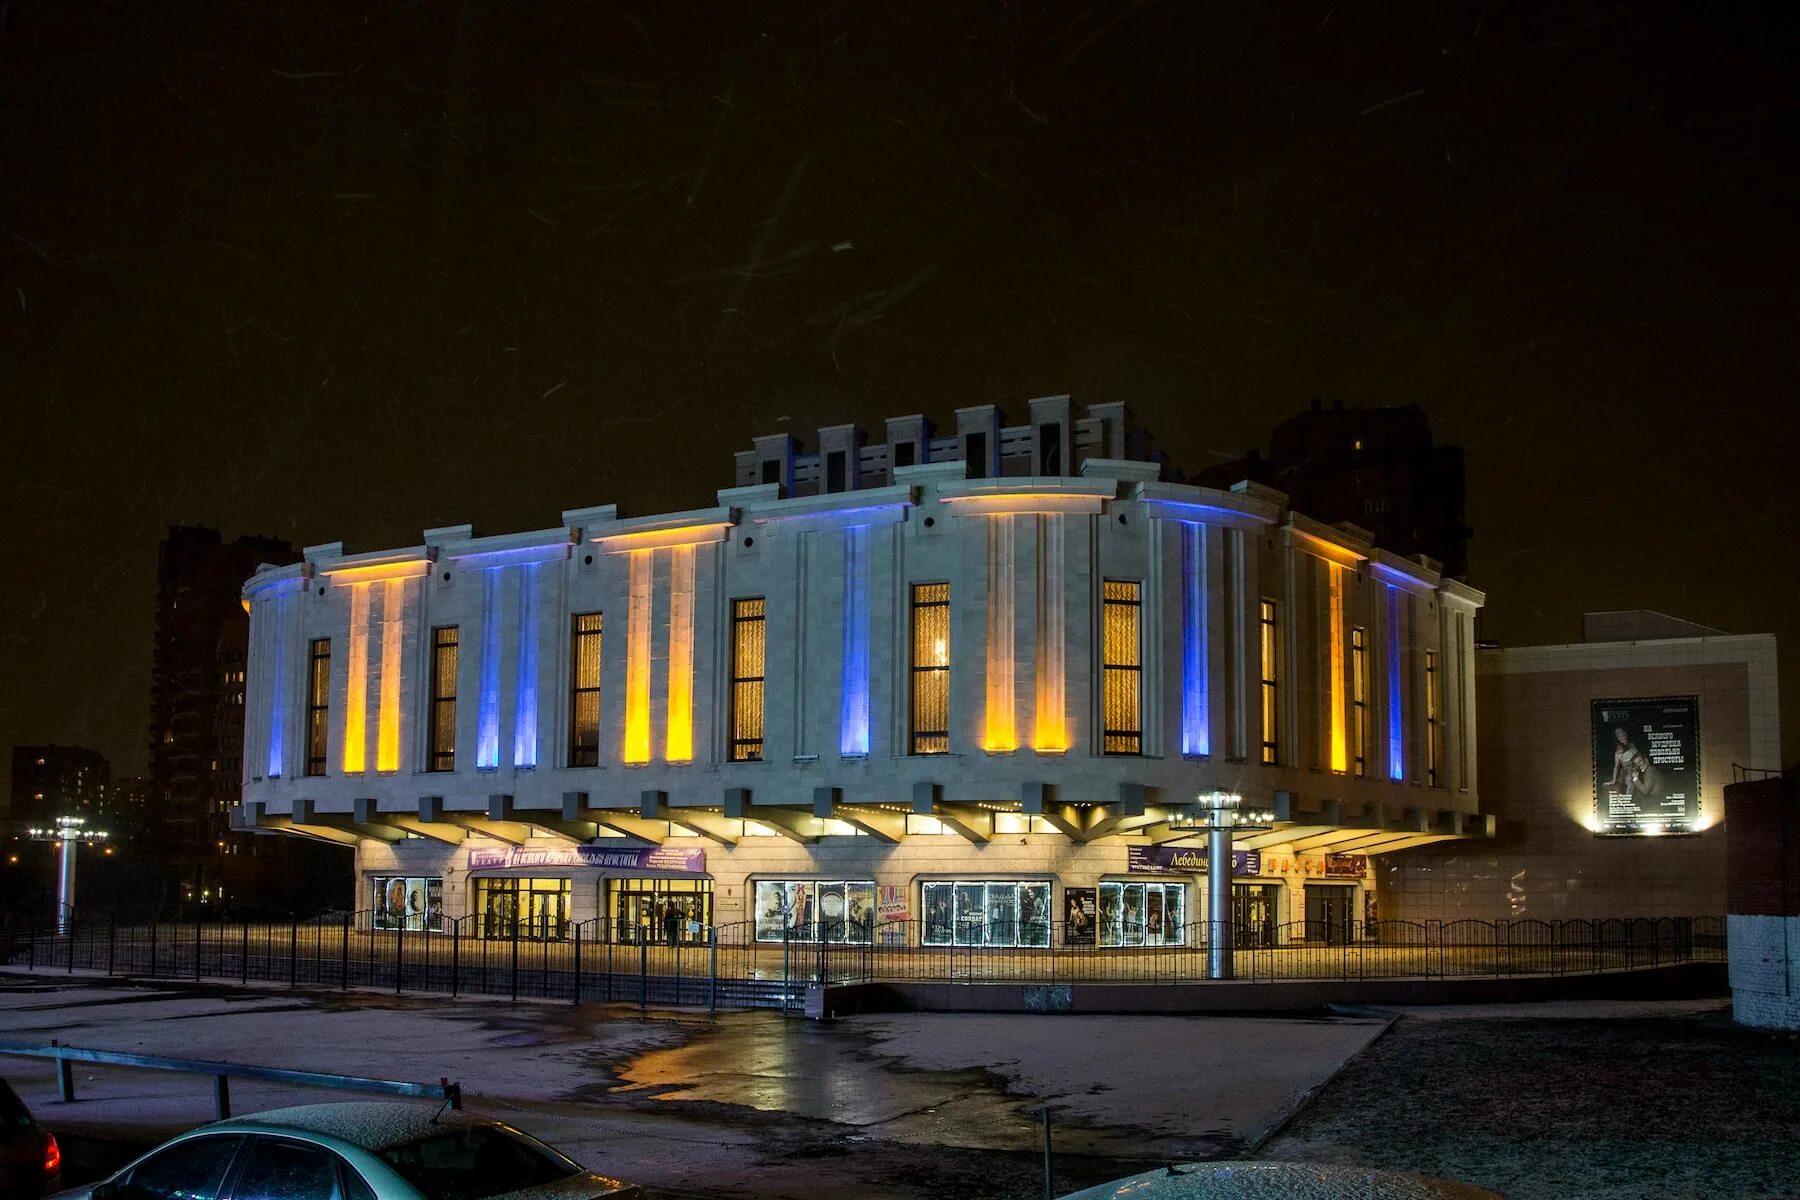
[
  {"x": 411, "y": 569},
  {"x": 680, "y": 736},
  {"x": 658, "y": 539},
  {"x": 987, "y": 504},
  {"x": 637, "y": 660},
  {"x": 356, "y": 693},
  {"x": 1000, "y": 732},
  {"x": 1050, "y": 731},
  {"x": 1340, "y": 759},
  {"x": 393, "y": 625}
]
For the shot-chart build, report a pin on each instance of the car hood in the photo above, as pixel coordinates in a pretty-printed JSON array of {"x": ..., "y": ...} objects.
[{"x": 576, "y": 1187}]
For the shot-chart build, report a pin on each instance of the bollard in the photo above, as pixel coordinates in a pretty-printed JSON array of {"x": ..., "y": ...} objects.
[{"x": 222, "y": 1096}]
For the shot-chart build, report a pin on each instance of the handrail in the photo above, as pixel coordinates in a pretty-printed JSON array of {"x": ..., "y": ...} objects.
[{"x": 222, "y": 1072}]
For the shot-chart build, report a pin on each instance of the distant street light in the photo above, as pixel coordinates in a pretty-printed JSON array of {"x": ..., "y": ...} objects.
[{"x": 67, "y": 832}]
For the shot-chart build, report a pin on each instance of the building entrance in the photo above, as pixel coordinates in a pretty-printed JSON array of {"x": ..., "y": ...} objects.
[
  {"x": 1255, "y": 911},
  {"x": 1330, "y": 912},
  {"x": 528, "y": 908},
  {"x": 667, "y": 912}
]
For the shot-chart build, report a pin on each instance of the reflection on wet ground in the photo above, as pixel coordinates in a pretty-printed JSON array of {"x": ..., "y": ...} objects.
[{"x": 981, "y": 1082}]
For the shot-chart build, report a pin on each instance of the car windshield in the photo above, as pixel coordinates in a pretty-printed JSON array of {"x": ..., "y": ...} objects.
[{"x": 475, "y": 1162}]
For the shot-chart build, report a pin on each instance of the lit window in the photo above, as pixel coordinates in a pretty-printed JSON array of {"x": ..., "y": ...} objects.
[
  {"x": 1359, "y": 699},
  {"x": 931, "y": 668},
  {"x": 318, "y": 701},
  {"x": 747, "y": 662},
  {"x": 585, "y": 632},
  {"x": 442, "y": 755},
  {"x": 1122, "y": 665},
  {"x": 1271, "y": 726}
]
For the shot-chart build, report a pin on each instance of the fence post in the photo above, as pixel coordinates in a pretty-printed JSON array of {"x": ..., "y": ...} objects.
[
  {"x": 31, "y": 941},
  {"x": 153, "y": 918},
  {"x": 643, "y": 972},
  {"x": 399, "y": 951},
  {"x": 72, "y": 930},
  {"x": 609, "y": 964},
  {"x": 244, "y": 956},
  {"x": 455, "y": 957},
  {"x": 112, "y": 941},
  {"x": 515, "y": 960},
  {"x": 344, "y": 954},
  {"x": 576, "y": 1001},
  {"x": 294, "y": 952},
  {"x": 196, "y": 944},
  {"x": 712, "y": 995}
]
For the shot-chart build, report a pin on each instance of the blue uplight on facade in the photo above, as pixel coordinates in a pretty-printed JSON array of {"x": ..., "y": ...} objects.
[
  {"x": 1195, "y": 736},
  {"x": 487, "y": 711},
  {"x": 525, "y": 722},
  {"x": 853, "y": 731},
  {"x": 1396, "y": 743},
  {"x": 277, "y": 610}
]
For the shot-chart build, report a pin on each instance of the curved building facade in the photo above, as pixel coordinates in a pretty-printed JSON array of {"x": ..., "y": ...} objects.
[{"x": 978, "y": 682}]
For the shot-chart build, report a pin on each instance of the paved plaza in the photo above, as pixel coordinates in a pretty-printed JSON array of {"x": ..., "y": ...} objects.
[{"x": 1601, "y": 1099}]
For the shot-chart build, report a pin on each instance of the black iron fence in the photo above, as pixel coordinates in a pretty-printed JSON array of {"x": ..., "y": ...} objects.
[{"x": 741, "y": 965}]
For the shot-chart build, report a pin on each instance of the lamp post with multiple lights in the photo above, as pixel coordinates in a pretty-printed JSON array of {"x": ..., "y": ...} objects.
[
  {"x": 1220, "y": 815},
  {"x": 66, "y": 832}
]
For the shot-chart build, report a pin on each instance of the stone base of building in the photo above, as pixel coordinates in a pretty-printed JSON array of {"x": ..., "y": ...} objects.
[
  {"x": 1765, "y": 970},
  {"x": 1678, "y": 981}
]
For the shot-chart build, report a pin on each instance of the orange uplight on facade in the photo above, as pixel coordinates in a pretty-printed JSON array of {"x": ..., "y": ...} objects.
[
  {"x": 1000, "y": 732},
  {"x": 637, "y": 659},
  {"x": 679, "y": 739},
  {"x": 387, "y": 734},
  {"x": 356, "y": 694},
  {"x": 1340, "y": 757},
  {"x": 660, "y": 539}
]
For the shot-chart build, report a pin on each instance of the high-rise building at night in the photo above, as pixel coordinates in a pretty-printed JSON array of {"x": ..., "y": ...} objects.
[
  {"x": 1377, "y": 468},
  {"x": 197, "y": 698},
  {"x": 58, "y": 781}
]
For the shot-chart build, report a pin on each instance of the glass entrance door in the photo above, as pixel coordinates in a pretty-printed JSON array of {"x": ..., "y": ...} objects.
[
  {"x": 1255, "y": 911},
  {"x": 1330, "y": 912}
]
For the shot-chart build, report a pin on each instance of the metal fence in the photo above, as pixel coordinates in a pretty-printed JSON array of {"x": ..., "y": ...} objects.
[{"x": 732, "y": 966}]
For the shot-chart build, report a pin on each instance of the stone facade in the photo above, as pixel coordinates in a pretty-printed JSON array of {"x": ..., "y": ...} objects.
[{"x": 1372, "y": 708}]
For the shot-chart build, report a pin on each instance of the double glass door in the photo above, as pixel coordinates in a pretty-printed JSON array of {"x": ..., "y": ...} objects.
[
  {"x": 1330, "y": 913},
  {"x": 1255, "y": 913},
  {"x": 537, "y": 909}
]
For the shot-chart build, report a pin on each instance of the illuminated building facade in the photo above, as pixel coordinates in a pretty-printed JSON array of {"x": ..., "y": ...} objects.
[{"x": 975, "y": 680}]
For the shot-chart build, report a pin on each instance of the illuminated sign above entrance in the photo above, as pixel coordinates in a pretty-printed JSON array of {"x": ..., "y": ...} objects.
[{"x": 630, "y": 858}]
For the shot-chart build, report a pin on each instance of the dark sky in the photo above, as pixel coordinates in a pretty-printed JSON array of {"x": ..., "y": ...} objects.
[{"x": 345, "y": 271}]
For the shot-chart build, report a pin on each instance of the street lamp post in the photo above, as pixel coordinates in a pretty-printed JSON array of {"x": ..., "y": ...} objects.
[
  {"x": 1219, "y": 815},
  {"x": 66, "y": 832}
]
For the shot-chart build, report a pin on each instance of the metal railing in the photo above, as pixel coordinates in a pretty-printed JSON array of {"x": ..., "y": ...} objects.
[
  {"x": 222, "y": 1074},
  {"x": 738, "y": 965}
]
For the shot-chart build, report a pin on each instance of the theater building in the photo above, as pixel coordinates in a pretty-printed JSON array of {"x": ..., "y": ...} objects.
[{"x": 969, "y": 684}]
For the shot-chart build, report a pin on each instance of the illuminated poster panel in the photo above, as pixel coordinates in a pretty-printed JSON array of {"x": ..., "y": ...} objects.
[{"x": 1646, "y": 765}]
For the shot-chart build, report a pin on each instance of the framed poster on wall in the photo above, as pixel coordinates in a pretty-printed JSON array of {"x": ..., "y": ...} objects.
[{"x": 1646, "y": 765}]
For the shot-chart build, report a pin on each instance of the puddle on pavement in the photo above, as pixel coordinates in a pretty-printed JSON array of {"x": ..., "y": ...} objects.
[{"x": 822, "y": 1073}]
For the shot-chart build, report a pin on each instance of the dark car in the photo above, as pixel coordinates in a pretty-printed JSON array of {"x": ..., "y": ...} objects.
[{"x": 30, "y": 1159}]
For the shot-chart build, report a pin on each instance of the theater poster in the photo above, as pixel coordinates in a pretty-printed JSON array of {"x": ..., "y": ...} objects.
[
  {"x": 1647, "y": 765},
  {"x": 1080, "y": 915}
]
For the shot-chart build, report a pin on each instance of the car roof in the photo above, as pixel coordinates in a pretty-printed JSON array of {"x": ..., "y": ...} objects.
[{"x": 369, "y": 1124}]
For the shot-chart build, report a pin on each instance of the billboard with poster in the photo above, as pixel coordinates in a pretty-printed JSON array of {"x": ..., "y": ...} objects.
[{"x": 1646, "y": 765}]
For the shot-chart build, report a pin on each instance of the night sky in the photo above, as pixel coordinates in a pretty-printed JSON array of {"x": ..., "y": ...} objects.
[{"x": 346, "y": 271}]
